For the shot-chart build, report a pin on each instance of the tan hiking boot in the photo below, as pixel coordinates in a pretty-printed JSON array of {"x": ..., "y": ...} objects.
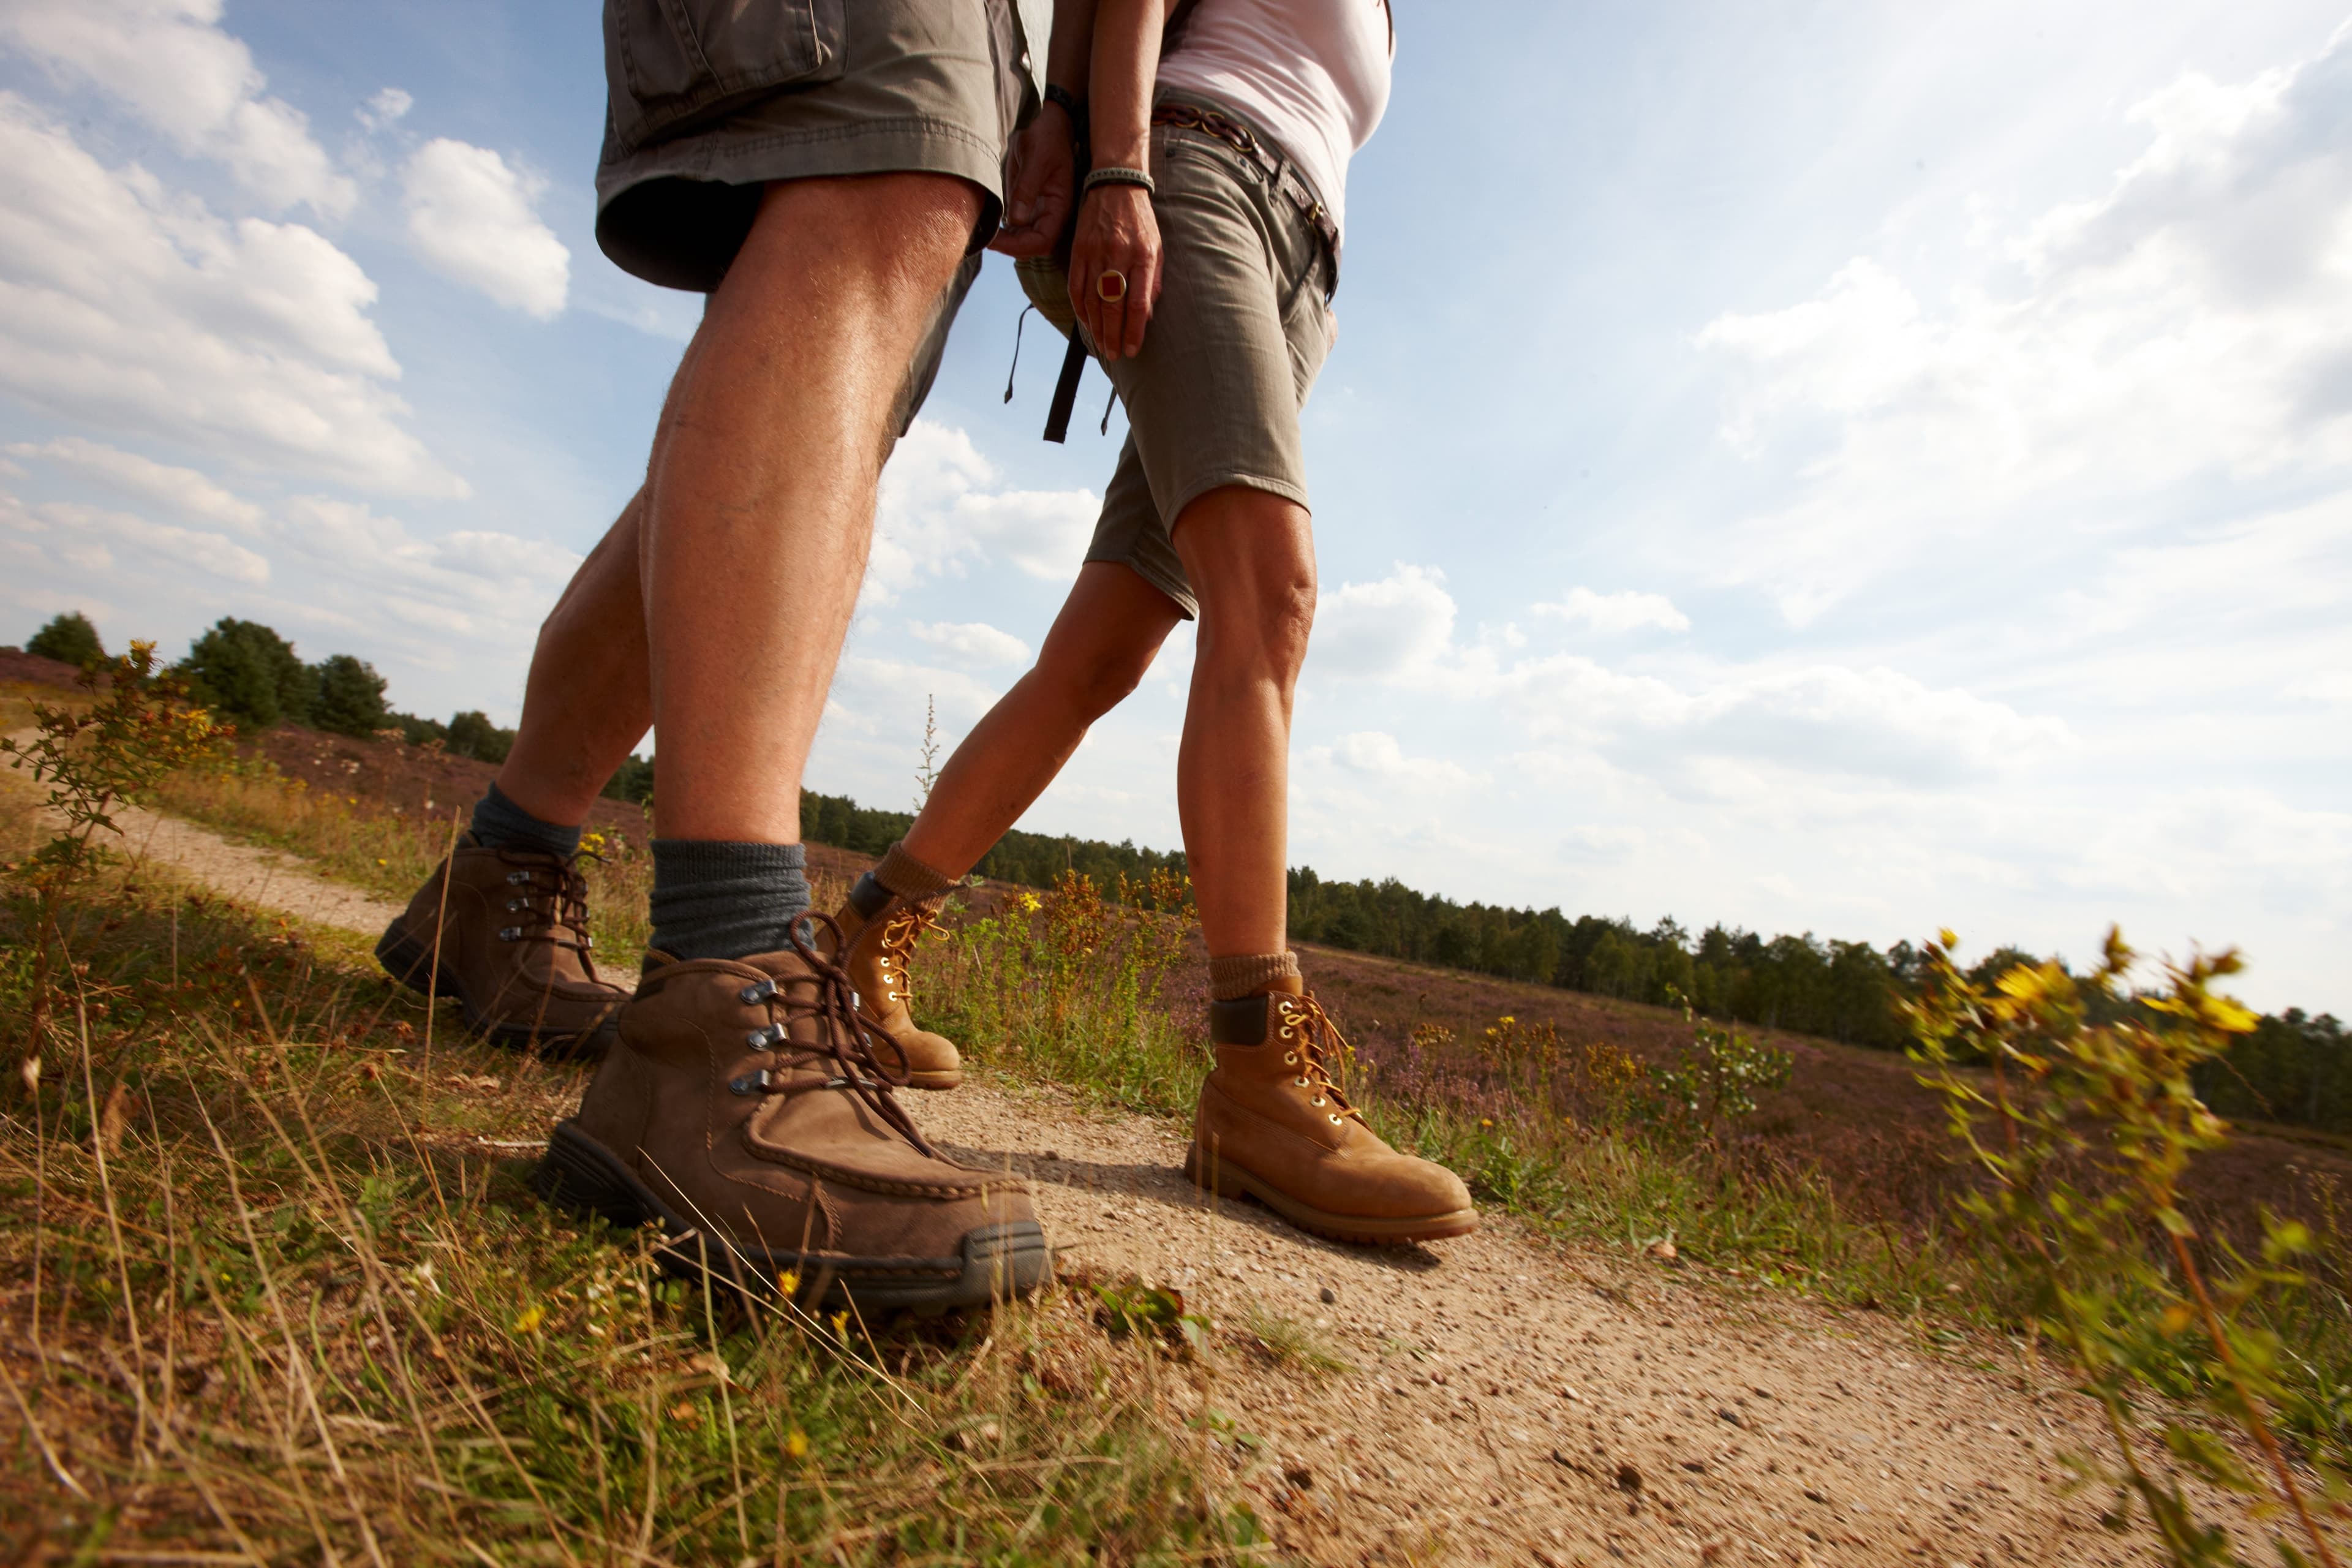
[
  {"x": 513, "y": 948},
  {"x": 745, "y": 1110},
  {"x": 879, "y": 930},
  {"x": 1273, "y": 1125}
]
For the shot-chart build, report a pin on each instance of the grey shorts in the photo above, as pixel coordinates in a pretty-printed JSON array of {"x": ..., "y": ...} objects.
[
  {"x": 710, "y": 99},
  {"x": 1241, "y": 330}
]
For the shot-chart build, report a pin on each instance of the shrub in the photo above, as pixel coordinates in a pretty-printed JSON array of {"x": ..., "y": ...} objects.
[
  {"x": 633, "y": 782},
  {"x": 349, "y": 697},
  {"x": 68, "y": 639}
]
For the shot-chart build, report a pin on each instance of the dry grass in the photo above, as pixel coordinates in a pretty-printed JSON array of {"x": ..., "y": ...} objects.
[{"x": 273, "y": 1287}]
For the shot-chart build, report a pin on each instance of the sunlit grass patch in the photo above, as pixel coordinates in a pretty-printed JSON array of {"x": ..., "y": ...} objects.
[{"x": 273, "y": 1283}]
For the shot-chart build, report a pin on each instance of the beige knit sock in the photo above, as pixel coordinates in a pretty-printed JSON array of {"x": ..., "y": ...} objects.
[
  {"x": 1252, "y": 974},
  {"x": 909, "y": 877}
]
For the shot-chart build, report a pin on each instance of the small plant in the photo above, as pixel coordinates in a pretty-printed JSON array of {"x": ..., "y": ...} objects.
[
  {"x": 1716, "y": 1079},
  {"x": 139, "y": 728},
  {"x": 2113, "y": 1270},
  {"x": 926, "y": 771}
]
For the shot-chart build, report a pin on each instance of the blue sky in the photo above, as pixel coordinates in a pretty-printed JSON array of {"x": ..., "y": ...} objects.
[{"x": 1823, "y": 467}]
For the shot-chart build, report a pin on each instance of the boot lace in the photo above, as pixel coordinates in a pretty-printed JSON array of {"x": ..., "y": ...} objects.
[
  {"x": 901, "y": 933},
  {"x": 1310, "y": 1041},
  {"x": 851, "y": 1045},
  {"x": 552, "y": 898}
]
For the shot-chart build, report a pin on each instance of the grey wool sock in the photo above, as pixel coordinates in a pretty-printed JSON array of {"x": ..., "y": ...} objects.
[
  {"x": 907, "y": 877},
  {"x": 1247, "y": 974},
  {"x": 716, "y": 899},
  {"x": 500, "y": 824}
]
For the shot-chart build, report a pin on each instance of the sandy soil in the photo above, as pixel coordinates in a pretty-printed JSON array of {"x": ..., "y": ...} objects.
[{"x": 1512, "y": 1400}]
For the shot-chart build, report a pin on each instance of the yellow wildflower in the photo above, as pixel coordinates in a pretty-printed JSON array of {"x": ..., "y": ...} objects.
[
  {"x": 528, "y": 1323},
  {"x": 840, "y": 1325},
  {"x": 796, "y": 1444},
  {"x": 789, "y": 1282}
]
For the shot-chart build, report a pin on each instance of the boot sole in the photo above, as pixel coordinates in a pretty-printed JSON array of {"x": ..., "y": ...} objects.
[
  {"x": 996, "y": 1261},
  {"x": 1232, "y": 1181},
  {"x": 936, "y": 1080},
  {"x": 410, "y": 962}
]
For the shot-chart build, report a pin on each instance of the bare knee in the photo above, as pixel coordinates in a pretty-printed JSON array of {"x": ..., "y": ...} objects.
[{"x": 1089, "y": 687}]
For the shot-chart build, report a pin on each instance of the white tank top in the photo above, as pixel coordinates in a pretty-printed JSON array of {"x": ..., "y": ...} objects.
[{"x": 1312, "y": 74}]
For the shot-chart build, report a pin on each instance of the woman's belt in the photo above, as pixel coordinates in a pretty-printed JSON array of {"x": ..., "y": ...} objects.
[{"x": 1279, "y": 170}]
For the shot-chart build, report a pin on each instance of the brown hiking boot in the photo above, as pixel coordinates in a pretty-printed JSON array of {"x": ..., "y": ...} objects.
[
  {"x": 513, "y": 948},
  {"x": 879, "y": 930},
  {"x": 748, "y": 1109},
  {"x": 1273, "y": 1125}
]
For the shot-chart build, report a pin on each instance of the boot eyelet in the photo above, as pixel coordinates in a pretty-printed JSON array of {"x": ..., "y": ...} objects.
[
  {"x": 758, "y": 992},
  {"x": 1300, "y": 1083},
  {"x": 1290, "y": 1058},
  {"x": 1316, "y": 1101},
  {"x": 509, "y": 934},
  {"x": 517, "y": 879},
  {"x": 1334, "y": 1121},
  {"x": 748, "y": 1084}
]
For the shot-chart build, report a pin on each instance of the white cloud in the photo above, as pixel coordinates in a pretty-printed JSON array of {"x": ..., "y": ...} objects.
[
  {"x": 170, "y": 62},
  {"x": 1376, "y": 755},
  {"x": 939, "y": 514},
  {"x": 465, "y": 583},
  {"x": 184, "y": 491},
  {"x": 472, "y": 216},
  {"x": 1621, "y": 612},
  {"x": 974, "y": 642},
  {"x": 2194, "y": 324},
  {"x": 128, "y": 309},
  {"x": 81, "y": 536},
  {"x": 388, "y": 107},
  {"x": 1394, "y": 629}
]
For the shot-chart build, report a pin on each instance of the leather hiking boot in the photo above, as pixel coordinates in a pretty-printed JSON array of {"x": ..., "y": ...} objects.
[
  {"x": 1273, "y": 1125},
  {"x": 513, "y": 948},
  {"x": 879, "y": 930},
  {"x": 748, "y": 1111}
]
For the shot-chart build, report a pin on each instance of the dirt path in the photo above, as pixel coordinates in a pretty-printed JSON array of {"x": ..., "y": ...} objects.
[
  {"x": 263, "y": 878},
  {"x": 1501, "y": 1398}
]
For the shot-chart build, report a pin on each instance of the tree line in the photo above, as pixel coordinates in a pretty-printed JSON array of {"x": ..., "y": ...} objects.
[{"x": 2293, "y": 1068}]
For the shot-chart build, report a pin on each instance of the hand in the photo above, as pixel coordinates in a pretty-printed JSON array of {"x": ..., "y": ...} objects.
[
  {"x": 1043, "y": 183},
  {"x": 1117, "y": 232}
]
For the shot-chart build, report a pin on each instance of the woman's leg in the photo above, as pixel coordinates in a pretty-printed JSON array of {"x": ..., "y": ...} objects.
[
  {"x": 1099, "y": 646},
  {"x": 1250, "y": 556}
]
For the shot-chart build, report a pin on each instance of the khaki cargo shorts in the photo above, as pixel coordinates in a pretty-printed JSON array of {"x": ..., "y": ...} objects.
[
  {"x": 707, "y": 100},
  {"x": 1242, "y": 327}
]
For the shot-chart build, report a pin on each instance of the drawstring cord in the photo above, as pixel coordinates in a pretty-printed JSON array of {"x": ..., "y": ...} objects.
[{"x": 1018, "y": 324}]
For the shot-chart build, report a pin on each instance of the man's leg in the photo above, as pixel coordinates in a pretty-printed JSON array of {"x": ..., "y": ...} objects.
[
  {"x": 589, "y": 700},
  {"x": 1250, "y": 555},
  {"x": 738, "y": 1094},
  {"x": 760, "y": 496}
]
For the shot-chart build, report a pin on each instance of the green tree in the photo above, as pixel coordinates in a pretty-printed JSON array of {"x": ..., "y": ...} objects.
[
  {"x": 245, "y": 671},
  {"x": 69, "y": 639},
  {"x": 349, "y": 700},
  {"x": 471, "y": 734}
]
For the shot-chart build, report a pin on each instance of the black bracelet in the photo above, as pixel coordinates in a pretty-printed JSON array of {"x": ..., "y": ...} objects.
[
  {"x": 1117, "y": 177},
  {"x": 1056, "y": 93}
]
